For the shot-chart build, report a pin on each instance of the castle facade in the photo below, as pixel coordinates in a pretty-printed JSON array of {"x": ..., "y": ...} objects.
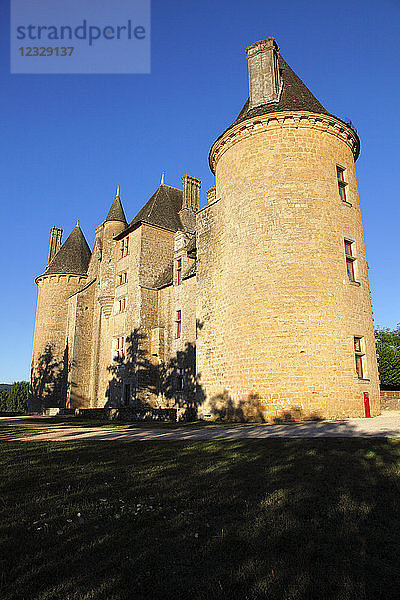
[{"x": 256, "y": 306}]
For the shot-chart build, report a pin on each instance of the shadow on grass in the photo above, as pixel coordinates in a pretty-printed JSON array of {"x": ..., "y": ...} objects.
[{"x": 237, "y": 519}]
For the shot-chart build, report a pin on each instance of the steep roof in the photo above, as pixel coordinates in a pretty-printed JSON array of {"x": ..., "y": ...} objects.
[
  {"x": 191, "y": 248},
  {"x": 116, "y": 212},
  {"x": 162, "y": 208},
  {"x": 165, "y": 277},
  {"x": 73, "y": 256},
  {"x": 295, "y": 96}
]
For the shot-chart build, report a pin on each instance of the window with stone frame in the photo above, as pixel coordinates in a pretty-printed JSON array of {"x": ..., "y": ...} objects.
[
  {"x": 359, "y": 356},
  {"x": 121, "y": 304},
  {"x": 124, "y": 247},
  {"x": 349, "y": 249},
  {"x": 179, "y": 271},
  {"x": 341, "y": 183},
  {"x": 119, "y": 348},
  {"x": 178, "y": 323},
  {"x": 122, "y": 278}
]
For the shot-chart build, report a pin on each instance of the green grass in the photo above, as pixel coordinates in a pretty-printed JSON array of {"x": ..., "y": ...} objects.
[{"x": 287, "y": 519}]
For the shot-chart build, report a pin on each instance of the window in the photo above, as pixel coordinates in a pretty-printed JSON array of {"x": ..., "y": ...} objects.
[
  {"x": 122, "y": 278},
  {"x": 124, "y": 247},
  {"x": 121, "y": 305},
  {"x": 178, "y": 323},
  {"x": 350, "y": 259},
  {"x": 119, "y": 348},
  {"x": 341, "y": 184},
  {"x": 126, "y": 394},
  {"x": 179, "y": 271},
  {"x": 359, "y": 356}
]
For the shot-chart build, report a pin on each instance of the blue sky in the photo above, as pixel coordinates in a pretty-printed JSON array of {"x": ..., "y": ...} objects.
[{"x": 68, "y": 140}]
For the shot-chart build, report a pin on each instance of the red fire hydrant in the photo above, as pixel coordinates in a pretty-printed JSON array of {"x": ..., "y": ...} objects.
[{"x": 366, "y": 406}]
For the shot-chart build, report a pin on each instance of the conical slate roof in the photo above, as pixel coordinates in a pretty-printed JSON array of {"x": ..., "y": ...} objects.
[
  {"x": 162, "y": 209},
  {"x": 73, "y": 256},
  {"x": 295, "y": 96},
  {"x": 116, "y": 212}
]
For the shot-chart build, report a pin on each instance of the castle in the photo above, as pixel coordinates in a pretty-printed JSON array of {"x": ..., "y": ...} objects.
[{"x": 255, "y": 306}]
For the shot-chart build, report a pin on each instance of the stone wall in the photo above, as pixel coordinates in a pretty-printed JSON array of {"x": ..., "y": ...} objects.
[
  {"x": 50, "y": 349},
  {"x": 279, "y": 312},
  {"x": 390, "y": 399}
]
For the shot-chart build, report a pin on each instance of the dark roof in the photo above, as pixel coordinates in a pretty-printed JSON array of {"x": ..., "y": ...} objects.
[
  {"x": 295, "y": 96},
  {"x": 162, "y": 209},
  {"x": 191, "y": 248},
  {"x": 73, "y": 256},
  {"x": 191, "y": 271},
  {"x": 116, "y": 212},
  {"x": 165, "y": 278}
]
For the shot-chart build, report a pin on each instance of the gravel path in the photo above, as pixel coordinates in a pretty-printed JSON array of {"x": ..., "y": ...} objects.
[{"x": 386, "y": 425}]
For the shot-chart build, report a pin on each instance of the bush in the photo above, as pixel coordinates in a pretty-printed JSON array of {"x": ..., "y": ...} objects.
[
  {"x": 16, "y": 398},
  {"x": 388, "y": 350}
]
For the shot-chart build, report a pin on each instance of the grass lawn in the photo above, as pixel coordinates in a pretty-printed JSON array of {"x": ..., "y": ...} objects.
[
  {"x": 37, "y": 423},
  {"x": 275, "y": 518}
]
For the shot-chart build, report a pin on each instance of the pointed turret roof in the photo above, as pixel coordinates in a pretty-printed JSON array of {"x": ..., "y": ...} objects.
[
  {"x": 73, "y": 256},
  {"x": 116, "y": 212},
  {"x": 295, "y": 96},
  {"x": 162, "y": 210}
]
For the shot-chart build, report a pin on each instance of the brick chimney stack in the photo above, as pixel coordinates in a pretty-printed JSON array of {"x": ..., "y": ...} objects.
[
  {"x": 55, "y": 242},
  {"x": 264, "y": 76},
  {"x": 191, "y": 193}
]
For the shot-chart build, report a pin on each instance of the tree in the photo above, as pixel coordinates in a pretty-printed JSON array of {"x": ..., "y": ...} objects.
[
  {"x": 16, "y": 399},
  {"x": 388, "y": 350}
]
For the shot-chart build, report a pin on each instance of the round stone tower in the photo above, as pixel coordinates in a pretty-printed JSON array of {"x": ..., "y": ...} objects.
[
  {"x": 286, "y": 329},
  {"x": 66, "y": 272}
]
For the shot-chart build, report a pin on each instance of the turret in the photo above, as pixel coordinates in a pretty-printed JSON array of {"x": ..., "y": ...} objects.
[
  {"x": 65, "y": 273},
  {"x": 106, "y": 248},
  {"x": 287, "y": 316}
]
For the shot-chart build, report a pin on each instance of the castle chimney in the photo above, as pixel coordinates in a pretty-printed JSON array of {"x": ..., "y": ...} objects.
[
  {"x": 264, "y": 76},
  {"x": 191, "y": 193},
  {"x": 211, "y": 195},
  {"x": 55, "y": 242}
]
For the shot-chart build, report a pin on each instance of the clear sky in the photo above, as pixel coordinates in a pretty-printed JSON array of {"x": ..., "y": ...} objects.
[{"x": 68, "y": 140}]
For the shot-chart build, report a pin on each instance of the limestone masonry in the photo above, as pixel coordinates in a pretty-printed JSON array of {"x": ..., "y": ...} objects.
[{"x": 254, "y": 307}]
